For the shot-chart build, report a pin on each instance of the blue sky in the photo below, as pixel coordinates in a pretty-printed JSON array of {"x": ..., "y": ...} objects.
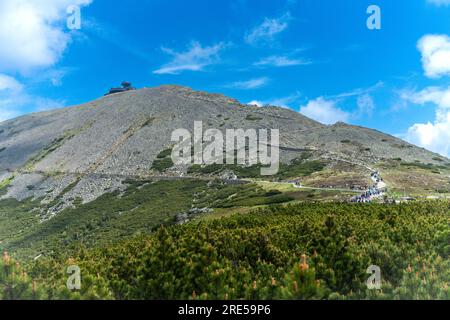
[{"x": 317, "y": 57}]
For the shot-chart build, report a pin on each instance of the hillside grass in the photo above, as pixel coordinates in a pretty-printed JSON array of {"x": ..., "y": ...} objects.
[
  {"x": 261, "y": 242},
  {"x": 295, "y": 169},
  {"x": 303, "y": 251},
  {"x": 163, "y": 161},
  {"x": 416, "y": 179},
  {"x": 142, "y": 207}
]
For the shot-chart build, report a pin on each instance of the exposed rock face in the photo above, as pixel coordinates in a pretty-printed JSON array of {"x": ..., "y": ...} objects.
[{"x": 87, "y": 150}]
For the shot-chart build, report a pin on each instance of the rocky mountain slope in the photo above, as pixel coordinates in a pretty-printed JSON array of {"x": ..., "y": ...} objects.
[{"x": 87, "y": 150}]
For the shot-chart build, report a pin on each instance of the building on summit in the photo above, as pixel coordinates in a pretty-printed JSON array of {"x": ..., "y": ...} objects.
[{"x": 126, "y": 86}]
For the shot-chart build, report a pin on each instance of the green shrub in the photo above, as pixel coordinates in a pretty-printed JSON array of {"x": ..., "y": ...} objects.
[
  {"x": 162, "y": 165},
  {"x": 302, "y": 251},
  {"x": 252, "y": 117},
  {"x": 163, "y": 161},
  {"x": 15, "y": 284},
  {"x": 164, "y": 154},
  {"x": 299, "y": 168}
]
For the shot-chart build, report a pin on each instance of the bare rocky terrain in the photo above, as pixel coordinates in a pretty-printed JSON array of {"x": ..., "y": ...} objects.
[{"x": 84, "y": 151}]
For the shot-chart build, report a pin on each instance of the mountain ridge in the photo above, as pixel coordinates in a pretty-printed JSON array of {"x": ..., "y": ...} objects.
[{"x": 43, "y": 154}]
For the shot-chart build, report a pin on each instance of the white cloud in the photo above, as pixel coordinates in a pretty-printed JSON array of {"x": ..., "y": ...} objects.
[
  {"x": 400, "y": 102},
  {"x": 196, "y": 58},
  {"x": 434, "y": 136},
  {"x": 360, "y": 91},
  {"x": 435, "y": 50},
  {"x": 268, "y": 29},
  {"x": 440, "y": 2},
  {"x": 14, "y": 104},
  {"x": 283, "y": 102},
  {"x": 32, "y": 33},
  {"x": 436, "y": 95},
  {"x": 324, "y": 111},
  {"x": 33, "y": 37},
  {"x": 327, "y": 111},
  {"x": 249, "y": 84},
  {"x": 255, "y": 103},
  {"x": 281, "y": 61},
  {"x": 366, "y": 105},
  {"x": 55, "y": 76},
  {"x": 14, "y": 100},
  {"x": 10, "y": 94},
  {"x": 9, "y": 83}
]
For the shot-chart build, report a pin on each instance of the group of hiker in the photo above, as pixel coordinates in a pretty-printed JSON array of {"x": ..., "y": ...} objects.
[{"x": 373, "y": 192}]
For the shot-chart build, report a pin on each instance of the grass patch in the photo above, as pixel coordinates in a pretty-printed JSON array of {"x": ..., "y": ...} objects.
[
  {"x": 299, "y": 168},
  {"x": 419, "y": 165},
  {"x": 16, "y": 219},
  {"x": 164, "y": 154},
  {"x": 252, "y": 117},
  {"x": 163, "y": 161},
  {"x": 6, "y": 182},
  {"x": 246, "y": 195},
  {"x": 144, "y": 206}
]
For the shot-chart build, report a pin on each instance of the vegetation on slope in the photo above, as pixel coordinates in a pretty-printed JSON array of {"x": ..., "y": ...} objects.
[
  {"x": 139, "y": 209},
  {"x": 5, "y": 184},
  {"x": 300, "y": 167},
  {"x": 303, "y": 251},
  {"x": 163, "y": 161},
  {"x": 415, "y": 178}
]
